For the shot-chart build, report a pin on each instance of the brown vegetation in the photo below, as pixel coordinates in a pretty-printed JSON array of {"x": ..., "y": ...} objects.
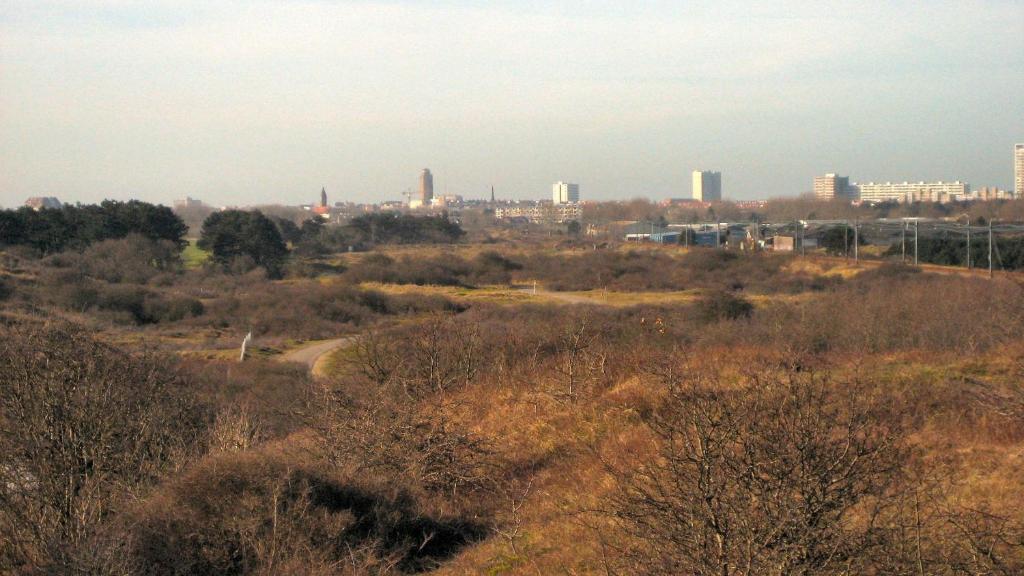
[{"x": 778, "y": 422}]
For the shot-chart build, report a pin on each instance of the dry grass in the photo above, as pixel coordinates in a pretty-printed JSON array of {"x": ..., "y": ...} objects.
[{"x": 953, "y": 362}]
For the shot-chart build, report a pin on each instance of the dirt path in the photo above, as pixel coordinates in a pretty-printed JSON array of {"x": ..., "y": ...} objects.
[{"x": 312, "y": 355}]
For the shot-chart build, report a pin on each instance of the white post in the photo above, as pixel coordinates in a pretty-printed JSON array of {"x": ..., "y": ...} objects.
[{"x": 245, "y": 346}]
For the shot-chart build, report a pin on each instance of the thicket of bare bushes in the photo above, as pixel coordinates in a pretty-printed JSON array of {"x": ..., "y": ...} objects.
[
  {"x": 446, "y": 270},
  {"x": 779, "y": 473},
  {"x": 266, "y": 513},
  {"x": 890, "y": 311},
  {"x": 134, "y": 260},
  {"x": 656, "y": 270},
  {"x": 84, "y": 429},
  {"x": 311, "y": 310}
]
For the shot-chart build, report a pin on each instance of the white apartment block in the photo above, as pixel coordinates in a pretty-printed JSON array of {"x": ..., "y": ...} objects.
[
  {"x": 541, "y": 213},
  {"x": 707, "y": 186},
  {"x": 910, "y": 191},
  {"x": 565, "y": 193}
]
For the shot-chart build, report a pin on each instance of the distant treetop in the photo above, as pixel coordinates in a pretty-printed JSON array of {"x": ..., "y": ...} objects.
[{"x": 52, "y": 230}]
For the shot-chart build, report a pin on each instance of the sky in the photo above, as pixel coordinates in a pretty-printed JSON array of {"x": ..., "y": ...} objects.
[{"x": 256, "y": 102}]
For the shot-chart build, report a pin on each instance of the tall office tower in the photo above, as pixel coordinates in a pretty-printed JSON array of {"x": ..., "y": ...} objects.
[
  {"x": 707, "y": 186},
  {"x": 426, "y": 187},
  {"x": 1018, "y": 171},
  {"x": 832, "y": 187},
  {"x": 323, "y": 197},
  {"x": 565, "y": 193}
]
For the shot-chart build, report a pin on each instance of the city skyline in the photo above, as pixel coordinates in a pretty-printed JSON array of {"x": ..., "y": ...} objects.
[{"x": 261, "y": 102}]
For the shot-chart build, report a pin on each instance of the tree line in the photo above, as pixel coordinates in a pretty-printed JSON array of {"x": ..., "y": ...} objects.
[
  {"x": 237, "y": 239},
  {"x": 75, "y": 227}
]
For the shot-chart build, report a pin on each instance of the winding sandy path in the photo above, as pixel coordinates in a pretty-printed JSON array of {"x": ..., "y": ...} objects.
[{"x": 313, "y": 354}]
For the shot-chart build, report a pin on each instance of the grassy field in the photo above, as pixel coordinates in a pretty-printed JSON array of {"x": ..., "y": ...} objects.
[{"x": 193, "y": 256}]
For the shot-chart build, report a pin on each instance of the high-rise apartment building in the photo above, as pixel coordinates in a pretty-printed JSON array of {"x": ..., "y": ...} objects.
[
  {"x": 565, "y": 193},
  {"x": 707, "y": 186},
  {"x": 832, "y": 187},
  {"x": 1018, "y": 170},
  {"x": 426, "y": 187}
]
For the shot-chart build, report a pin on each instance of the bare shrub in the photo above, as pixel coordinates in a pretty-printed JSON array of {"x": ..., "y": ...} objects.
[
  {"x": 134, "y": 259},
  {"x": 256, "y": 400},
  {"x": 264, "y": 513},
  {"x": 84, "y": 427},
  {"x": 764, "y": 476},
  {"x": 235, "y": 430},
  {"x": 722, "y": 305},
  {"x": 392, "y": 414},
  {"x": 311, "y": 310}
]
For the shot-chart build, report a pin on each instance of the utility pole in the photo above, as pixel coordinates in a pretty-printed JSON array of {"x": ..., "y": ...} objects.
[
  {"x": 990, "y": 248},
  {"x": 718, "y": 235},
  {"x": 916, "y": 222},
  {"x": 856, "y": 240},
  {"x": 801, "y": 238},
  {"x": 903, "y": 242},
  {"x": 968, "y": 242},
  {"x": 846, "y": 239}
]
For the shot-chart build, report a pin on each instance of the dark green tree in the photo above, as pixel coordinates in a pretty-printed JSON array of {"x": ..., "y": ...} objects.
[
  {"x": 834, "y": 244},
  {"x": 53, "y": 230},
  {"x": 235, "y": 234},
  {"x": 289, "y": 231}
]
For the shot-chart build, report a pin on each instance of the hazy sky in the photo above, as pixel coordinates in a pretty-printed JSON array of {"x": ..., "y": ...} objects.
[{"x": 239, "y": 102}]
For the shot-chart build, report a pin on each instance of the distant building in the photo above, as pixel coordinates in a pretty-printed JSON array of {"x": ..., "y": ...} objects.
[
  {"x": 565, "y": 193},
  {"x": 986, "y": 194},
  {"x": 784, "y": 243},
  {"x": 650, "y": 232},
  {"x": 449, "y": 200},
  {"x": 707, "y": 186},
  {"x": 426, "y": 188},
  {"x": 540, "y": 213},
  {"x": 685, "y": 202},
  {"x": 1018, "y": 170},
  {"x": 323, "y": 209},
  {"x": 750, "y": 204},
  {"x": 188, "y": 202},
  {"x": 911, "y": 191},
  {"x": 40, "y": 202},
  {"x": 832, "y": 187}
]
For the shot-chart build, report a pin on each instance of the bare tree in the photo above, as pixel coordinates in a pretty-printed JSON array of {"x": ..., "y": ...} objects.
[{"x": 777, "y": 474}]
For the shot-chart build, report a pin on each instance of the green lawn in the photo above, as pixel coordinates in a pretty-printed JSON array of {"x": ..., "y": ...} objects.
[{"x": 194, "y": 256}]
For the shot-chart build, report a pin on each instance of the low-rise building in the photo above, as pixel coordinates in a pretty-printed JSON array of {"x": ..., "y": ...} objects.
[
  {"x": 40, "y": 202},
  {"x": 539, "y": 212}
]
